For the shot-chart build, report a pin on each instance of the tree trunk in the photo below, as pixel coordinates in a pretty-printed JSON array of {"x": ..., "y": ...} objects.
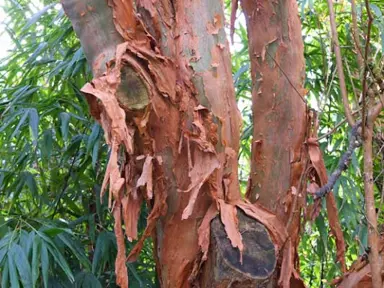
[
  {"x": 279, "y": 155},
  {"x": 163, "y": 93},
  {"x": 279, "y": 109}
]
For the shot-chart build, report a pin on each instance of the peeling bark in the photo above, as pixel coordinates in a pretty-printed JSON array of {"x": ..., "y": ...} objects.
[
  {"x": 163, "y": 93},
  {"x": 279, "y": 155},
  {"x": 279, "y": 111}
]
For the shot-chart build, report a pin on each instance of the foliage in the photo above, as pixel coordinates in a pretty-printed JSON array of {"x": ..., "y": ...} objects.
[{"x": 53, "y": 154}]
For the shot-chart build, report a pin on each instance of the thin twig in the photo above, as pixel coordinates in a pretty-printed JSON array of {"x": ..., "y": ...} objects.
[
  {"x": 366, "y": 52},
  {"x": 355, "y": 35},
  {"x": 303, "y": 177},
  {"x": 354, "y": 142},
  {"x": 66, "y": 182},
  {"x": 339, "y": 64},
  {"x": 323, "y": 100},
  {"x": 353, "y": 85},
  {"x": 337, "y": 126}
]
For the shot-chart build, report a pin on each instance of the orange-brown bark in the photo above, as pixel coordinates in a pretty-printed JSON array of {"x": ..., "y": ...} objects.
[
  {"x": 163, "y": 93},
  {"x": 279, "y": 110},
  {"x": 280, "y": 160},
  {"x": 279, "y": 113}
]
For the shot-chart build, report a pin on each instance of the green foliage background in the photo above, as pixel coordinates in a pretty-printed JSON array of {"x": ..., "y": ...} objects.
[{"x": 55, "y": 231}]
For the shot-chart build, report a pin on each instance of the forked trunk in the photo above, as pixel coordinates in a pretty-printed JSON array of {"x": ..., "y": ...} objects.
[{"x": 163, "y": 93}]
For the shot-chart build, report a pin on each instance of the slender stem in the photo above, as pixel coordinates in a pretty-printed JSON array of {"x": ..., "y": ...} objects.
[
  {"x": 373, "y": 235},
  {"x": 337, "y": 126},
  {"x": 339, "y": 65},
  {"x": 354, "y": 142},
  {"x": 366, "y": 52},
  {"x": 355, "y": 35},
  {"x": 353, "y": 85}
]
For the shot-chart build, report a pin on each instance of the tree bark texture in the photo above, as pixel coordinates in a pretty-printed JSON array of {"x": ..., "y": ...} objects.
[
  {"x": 279, "y": 110},
  {"x": 373, "y": 233},
  {"x": 281, "y": 159},
  {"x": 163, "y": 93}
]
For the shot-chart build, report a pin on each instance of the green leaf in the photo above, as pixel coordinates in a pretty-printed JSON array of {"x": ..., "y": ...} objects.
[
  {"x": 35, "y": 260},
  {"x": 6, "y": 239},
  {"x": 53, "y": 231},
  {"x": 36, "y": 16},
  {"x": 34, "y": 123},
  {"x": 93, "y": 136},
  {"x": 26, "y": 241},
  {"x": 95, "y": 153},
  {"x": 14, "y": 279},
  {"x": 44, "y": 263},
  {"x": 64, "y": 119},
  {"x": 47, "y": 145},
  {"x": 3, "y": 253},
  {"x": 22, "y": 264},
  {"x": 10, "y": 120},
  {"x": 135, "y": 274},
  {"x": 5, "y": 277},
  {"x": 60, "y": 260},
  {"x": 29, "y": 179},
  {"x": 37, "y": 52},
  {"x": 76, "y": 250},
  {"x": 21, "y": 122},
  {"x": 376, "y": 10},
  {"x": 86, "y": 280},
  {"x": 103, "y": 244}
]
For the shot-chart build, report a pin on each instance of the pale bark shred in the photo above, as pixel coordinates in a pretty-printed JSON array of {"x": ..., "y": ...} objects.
[
  {"x": 120, "y": 266},
  {"x": 146, "y": 177}
]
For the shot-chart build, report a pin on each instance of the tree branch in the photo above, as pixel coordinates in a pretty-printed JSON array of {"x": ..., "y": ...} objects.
[
  {"x": 373, "y": 235},
  {"x": 355, "y": 141},
  {"x": 339, "y": 64},
  {"x": 367, "y": 132}
]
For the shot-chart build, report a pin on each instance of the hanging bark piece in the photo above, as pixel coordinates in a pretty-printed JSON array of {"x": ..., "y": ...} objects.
[
  {"x": 146, "y": 177},
  {"x": 229, "y": 218},
  {"x": 120, "y": 266},
  {"x": 204, "y": 165},
  {"x": 131, "y": 213},
  {"x": 204, "y": 230},
  {"x": 159, "y": 209}
]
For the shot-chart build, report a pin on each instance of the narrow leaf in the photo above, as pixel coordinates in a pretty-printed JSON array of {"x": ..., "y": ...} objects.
[
  {"x": 5, "y": 277},
  {"x": 21, "y": 122},
  {"x": 12, "y": 272},
  {"x": 34, "y": 123},
  {"x": 36, "y": 16},
  {"x": 35, "y": 260},
  {"x": 22, "y": 265},
  {"x": 44, "y": 263},
  {"x": 64, "y": 119},
  {"x": 60, "y": 260}
]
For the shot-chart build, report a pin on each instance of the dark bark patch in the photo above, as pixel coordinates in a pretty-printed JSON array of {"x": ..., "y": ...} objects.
[
  {"x": 132, "y": 93},
  {"x": 259, "y": 260}
]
